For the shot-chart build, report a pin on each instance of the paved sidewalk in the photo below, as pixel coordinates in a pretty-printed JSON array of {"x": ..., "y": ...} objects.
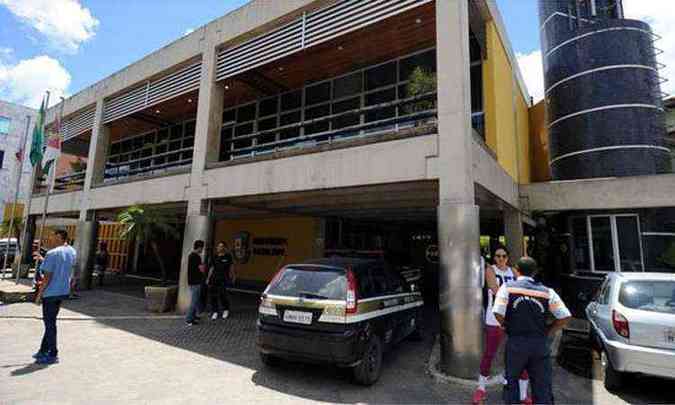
[{"x": 114, "y": 351}]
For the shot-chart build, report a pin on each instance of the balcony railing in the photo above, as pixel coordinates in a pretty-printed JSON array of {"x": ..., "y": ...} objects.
[{"x": 426, "y": 103}]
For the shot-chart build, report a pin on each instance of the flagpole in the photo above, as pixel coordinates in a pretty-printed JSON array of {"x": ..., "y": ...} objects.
[
  {"x": 16, "y": 199},
  {"x": 51, "y": 178}
]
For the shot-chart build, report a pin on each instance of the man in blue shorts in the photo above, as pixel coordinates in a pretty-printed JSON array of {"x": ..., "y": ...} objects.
[{"x": 57, "y": 269}]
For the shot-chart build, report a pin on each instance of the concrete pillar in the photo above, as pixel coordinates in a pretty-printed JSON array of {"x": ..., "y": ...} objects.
[
  {"x": 460, "y": 294},
  {"x": 209, "y": 116},
  {"x": 513, "y": 233},
  {"x": 197, "y": 227},
  {"x": 85, "y": 244},
  {"x": 96, "y": 159}
]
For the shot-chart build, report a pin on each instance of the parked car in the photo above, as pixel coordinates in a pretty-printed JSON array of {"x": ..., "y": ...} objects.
[
  {"x": 633, "y": 325},
  {"x": 8, "y": 247},
  {"x": 344, "y": 311}
]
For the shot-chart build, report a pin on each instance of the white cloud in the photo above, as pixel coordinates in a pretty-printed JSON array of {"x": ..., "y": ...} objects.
[
  {"x": 660, "y": 14},
  {"x": 533, "y": 72},
  {"x": 26, "y": 81},
  {"x": 188, "y": 31},
  {"x": 65, "y": 23}
]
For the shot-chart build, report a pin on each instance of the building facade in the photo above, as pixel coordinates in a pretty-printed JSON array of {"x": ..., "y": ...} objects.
[{"x": 15, "y": 120}]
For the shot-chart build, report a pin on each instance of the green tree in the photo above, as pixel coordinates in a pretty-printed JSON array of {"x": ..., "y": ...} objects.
[
  {"x": 147, "y": 225},
  {"x": 421, "y": 82},
  {"x": 15, "y": 232}
]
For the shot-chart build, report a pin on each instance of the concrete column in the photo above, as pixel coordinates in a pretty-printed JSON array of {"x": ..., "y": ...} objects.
[
  {"x": 197, "y": 227},
  {"x": 460, "y": 294},
  {"x": 513, "y": 233},
  {"x": 85, "y": 244},
  {"x": 209, "y": 116},
  {"x": 96, "y": 159}
]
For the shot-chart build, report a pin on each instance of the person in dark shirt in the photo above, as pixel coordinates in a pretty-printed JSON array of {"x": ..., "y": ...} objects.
[
  {"x": 101, "y": 262},
  {"x": 195, "y": 278},
  {"x": 221, "y": 274}
]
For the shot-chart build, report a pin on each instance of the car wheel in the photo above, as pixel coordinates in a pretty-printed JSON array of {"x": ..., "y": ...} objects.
[
  {"x": 370, "y": 368},
  {"x": 269, "y": 360},
  {"x": 611, "y": 377}
]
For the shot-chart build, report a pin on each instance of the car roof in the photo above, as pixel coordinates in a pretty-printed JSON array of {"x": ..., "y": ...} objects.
[
  {"x": 645, "y": 276},
  {"x": 339, "y": 262}
]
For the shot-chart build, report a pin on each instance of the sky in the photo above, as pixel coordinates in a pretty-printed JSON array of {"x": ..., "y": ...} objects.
[{"x": 68, "y": 45}]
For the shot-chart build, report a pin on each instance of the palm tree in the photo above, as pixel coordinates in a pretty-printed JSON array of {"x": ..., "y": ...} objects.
[{"x": 148, "y": 224}]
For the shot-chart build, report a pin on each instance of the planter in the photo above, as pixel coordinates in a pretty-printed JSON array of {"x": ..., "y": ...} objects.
[{"x": 161, "y": 299}]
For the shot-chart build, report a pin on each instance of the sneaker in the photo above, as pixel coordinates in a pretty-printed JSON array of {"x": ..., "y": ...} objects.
[
  {"x": 214, "y": 316},
  {"x": 478, "y": 396},
  {"x": 39, "y": 354},
  {"x": 47, "y": 360},
  {"x": 226, "y": 314},
  {"x": 191, "y": 323}
]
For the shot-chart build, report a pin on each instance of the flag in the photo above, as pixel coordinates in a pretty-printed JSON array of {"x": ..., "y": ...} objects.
[
  {"x": 38, "y": 137},
  {"x": 53, "y": 150}
]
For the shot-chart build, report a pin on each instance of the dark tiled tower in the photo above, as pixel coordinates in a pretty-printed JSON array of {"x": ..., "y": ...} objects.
[{"x": 603, "y": 93}]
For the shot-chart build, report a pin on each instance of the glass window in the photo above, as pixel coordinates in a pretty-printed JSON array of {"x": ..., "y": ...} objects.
[
  {"x": 343, "y": 106},
  {"x": 267, "y": 124},
  {"x": 190, "y": 128},
  {"x": 246, "y": 113},
  {"x": 291, "y": 118},
  {"x": 649, "y": 295},
  {"x": 115, "y": 148},
  {"x": 163, "y": 135},
  {"x": 379, "y": 277},
  {"x": 629, "y": 243},
  {"x": 476, "y": 88},
  {"x": 603, "y": 248},
  {"x": 318, "y": 93},
  {"x": 348, "y": 85},
  {"x": 426, "y": 61},
  {"x": 176, "y": 132},
  {"x": 244, "y": 129},
  {"x": 4, "y": 125},
  {"x": 311, "y": 283},
  {"x": 291, "y": 101},
  {"x": 149, "y": 139},
  {"x": 269, "y": 106},
  {"x": 138, "y": 143},
  {"x": 380, "y": 76},
  {"x": 2, "y": 158},
  {"x": 229, "y": 116},
  {"x": 581, "y": 246}
]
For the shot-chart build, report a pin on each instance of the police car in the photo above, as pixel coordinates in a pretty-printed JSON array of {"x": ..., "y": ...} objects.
[{"x": 344, "y": 311}]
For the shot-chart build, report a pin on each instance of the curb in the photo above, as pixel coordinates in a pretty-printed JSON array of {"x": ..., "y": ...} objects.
[{"x": 440, "y": 377}]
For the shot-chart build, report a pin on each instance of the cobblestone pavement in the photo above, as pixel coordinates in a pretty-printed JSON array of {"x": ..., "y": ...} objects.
[{"x": 113, "y": 351}]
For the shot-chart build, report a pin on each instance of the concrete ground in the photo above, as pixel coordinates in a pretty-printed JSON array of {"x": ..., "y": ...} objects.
[{"x": 112, "y": 350}]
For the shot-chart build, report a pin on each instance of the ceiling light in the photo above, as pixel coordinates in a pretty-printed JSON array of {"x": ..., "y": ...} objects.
[
  {"x": 189, "y": 100},
  {"x": 227, "y": 87},
  {"x": 157, "y": 111},
  {"x": 340, "y": 48},
  {"x": 418, "y": 21},
  {"x": 281, "y": 69}
]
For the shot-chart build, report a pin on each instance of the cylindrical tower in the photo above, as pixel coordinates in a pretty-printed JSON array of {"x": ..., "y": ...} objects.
[{"x": 603, "y": 93}]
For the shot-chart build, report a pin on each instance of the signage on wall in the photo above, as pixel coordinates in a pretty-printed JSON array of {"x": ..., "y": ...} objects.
[
  {"x": 242, "y": 247},
  {"x": 432, "y": 254}
]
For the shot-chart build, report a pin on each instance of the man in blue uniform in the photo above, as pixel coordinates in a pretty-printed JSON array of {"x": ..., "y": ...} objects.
[{"x": 521, "y": 307}]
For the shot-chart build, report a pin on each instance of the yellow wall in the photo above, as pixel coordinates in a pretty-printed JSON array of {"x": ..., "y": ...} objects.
[
  {"x": 506, "y": 110},
  {"x": 18, "y": 212},
  {"x": 300, "y": 232}
]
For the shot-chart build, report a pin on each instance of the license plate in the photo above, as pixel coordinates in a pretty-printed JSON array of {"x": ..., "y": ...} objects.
[{"x": 304, "y": 318}]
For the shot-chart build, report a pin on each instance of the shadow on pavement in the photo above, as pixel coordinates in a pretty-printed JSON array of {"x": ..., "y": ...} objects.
[{"x": 26, "y": 369}]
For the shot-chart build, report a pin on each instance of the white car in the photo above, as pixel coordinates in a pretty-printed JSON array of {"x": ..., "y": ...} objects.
[{"x": 633, "y": 325}]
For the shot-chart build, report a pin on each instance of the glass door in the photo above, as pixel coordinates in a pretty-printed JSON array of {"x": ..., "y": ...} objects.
[{"x": 615, "y": 243}]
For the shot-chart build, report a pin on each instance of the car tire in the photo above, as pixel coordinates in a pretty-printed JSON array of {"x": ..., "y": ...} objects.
[
  {"x": 611, "y": 377},
  {"x": 269, "y": 360},
  {"x": 369, "y": 369}
]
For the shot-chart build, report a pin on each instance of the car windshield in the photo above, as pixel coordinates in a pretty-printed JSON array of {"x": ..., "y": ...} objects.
[
  {"x": 649, "y": 295},
  {"x": 311, "y": 282}
]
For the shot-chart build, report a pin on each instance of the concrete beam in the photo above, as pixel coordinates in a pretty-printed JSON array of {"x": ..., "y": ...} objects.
[
  {"x": 596, "y": 194},
  {"x": 59, "y": 203},
  {"x": 153, "y": 191},
  {"x": 491, "y": 175},
  {"x": 388, "y": 162}
]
